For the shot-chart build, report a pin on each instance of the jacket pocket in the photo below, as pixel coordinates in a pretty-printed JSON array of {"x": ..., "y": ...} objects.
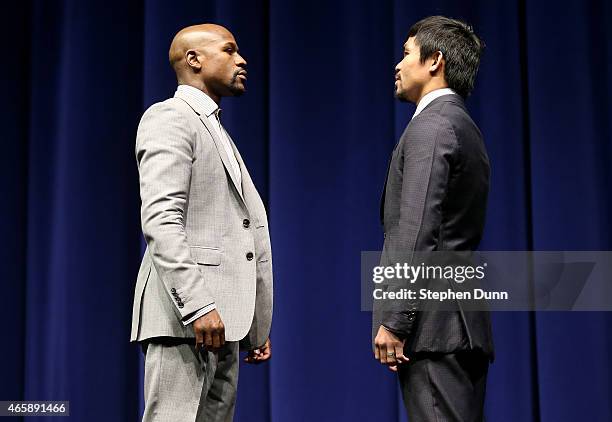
[{"x": 205, "y": 255}]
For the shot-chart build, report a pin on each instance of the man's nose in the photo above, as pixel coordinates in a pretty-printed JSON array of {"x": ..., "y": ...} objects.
[{"x": 240, "y": 61}]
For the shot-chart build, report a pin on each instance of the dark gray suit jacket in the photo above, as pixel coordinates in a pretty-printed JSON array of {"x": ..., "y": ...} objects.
[{"x": 435, "y": 199}]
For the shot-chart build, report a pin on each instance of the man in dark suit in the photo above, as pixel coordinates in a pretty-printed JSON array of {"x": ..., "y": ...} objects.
[{"x": 435, "y": 199}]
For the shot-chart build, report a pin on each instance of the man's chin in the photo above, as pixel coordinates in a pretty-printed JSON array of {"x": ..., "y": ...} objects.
[
  {"x": 401, "y": 96},
  {"x": 237, "y": 90}
]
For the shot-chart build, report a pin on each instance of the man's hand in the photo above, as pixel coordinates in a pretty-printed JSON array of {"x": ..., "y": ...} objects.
[
  {"x": 261, "y": 354},
  {"x": 209, "y": 331},
  {"x": 389, "y": 349}
]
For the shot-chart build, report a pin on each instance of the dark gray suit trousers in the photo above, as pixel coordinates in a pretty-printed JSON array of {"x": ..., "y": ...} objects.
[{"x": 444, "y": 387}]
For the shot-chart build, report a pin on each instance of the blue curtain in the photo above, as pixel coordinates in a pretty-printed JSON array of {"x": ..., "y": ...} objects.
[{"x": 316, "y": 129}]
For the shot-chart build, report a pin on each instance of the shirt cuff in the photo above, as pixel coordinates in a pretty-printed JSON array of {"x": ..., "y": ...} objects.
[{"x": 200, "y": 313}]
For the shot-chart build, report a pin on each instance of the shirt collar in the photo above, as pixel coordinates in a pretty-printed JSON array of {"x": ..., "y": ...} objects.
[
  {"x": 429, "y": 97},
  {"x": 199, "y": 98}
]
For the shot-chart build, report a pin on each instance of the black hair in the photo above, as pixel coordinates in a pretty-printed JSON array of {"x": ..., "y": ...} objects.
[{"x": 459, "y": 45}]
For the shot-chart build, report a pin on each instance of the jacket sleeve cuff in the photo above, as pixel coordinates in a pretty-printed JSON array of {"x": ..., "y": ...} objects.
[
  {"x": 203, "y": 311},
  {"x": 400, "y": 323}
]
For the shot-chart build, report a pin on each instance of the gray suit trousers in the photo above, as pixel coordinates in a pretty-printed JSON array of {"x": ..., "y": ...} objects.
[
  {"x": 182, "y": 385},
  {"x": 444, "y": 387}
]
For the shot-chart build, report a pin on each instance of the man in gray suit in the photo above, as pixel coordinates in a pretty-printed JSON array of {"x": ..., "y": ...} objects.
[
  {"x": 435, "y": 199},
  {"x": 204, "y": 288}
]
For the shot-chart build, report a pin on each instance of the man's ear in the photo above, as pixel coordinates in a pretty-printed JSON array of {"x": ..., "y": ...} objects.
[
  {"x": 437, "y": 63},
  {"x": 193, "y": 60}
]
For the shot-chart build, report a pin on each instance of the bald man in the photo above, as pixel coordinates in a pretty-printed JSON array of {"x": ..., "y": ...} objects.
[{"x": 204, "y": 289}]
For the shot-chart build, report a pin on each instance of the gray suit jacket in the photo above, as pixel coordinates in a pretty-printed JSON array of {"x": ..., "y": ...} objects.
[
  {"x": 435, "y": 199},
  {"x": 207, "y": 239}
]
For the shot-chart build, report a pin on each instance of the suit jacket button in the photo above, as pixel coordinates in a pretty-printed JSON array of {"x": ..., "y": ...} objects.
[
  {"x": 249, "y": 256},
  {"x": 173, "y": 290},
  {"x": 180, "y": 305},
  {"x": 246, "y": 223}
]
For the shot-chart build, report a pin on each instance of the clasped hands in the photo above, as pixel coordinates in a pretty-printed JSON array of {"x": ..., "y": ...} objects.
[
  {"x": 210, "y": 335},
  {"x": 389, "y": 349}
]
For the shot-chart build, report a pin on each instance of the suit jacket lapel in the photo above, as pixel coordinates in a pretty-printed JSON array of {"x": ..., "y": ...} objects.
[
  {"x": 247, "y": 183},
  {"x": 383, "y": 195},
  {"x": 218, "y": 143},
  {"x": 224, "y": 158},
  {"x": 384, "y": 191}
]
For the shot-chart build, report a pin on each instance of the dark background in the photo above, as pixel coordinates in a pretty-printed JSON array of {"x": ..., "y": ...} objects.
[{"x": 316, "y": 129}]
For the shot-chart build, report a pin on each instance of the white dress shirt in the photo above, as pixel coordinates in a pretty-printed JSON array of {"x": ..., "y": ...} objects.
[
  {"x": 429, "y": 97},
  {"x": 212, "y": 111}
]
